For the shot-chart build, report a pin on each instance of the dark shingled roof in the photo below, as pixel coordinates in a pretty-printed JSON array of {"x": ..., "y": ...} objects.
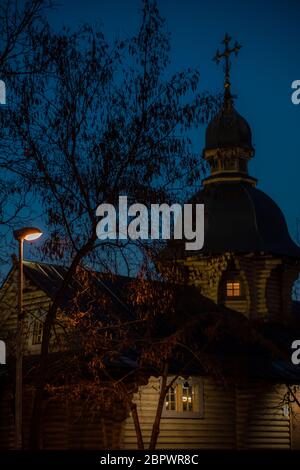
[
  {"x": 242, "y": 218},
  {"x": 266, "y": 345},
  {"x": 239, "y": 218},
  {"x": 48, "y": 277}
]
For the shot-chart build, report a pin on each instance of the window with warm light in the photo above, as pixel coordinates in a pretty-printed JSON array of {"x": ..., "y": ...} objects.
[
  {"x": 233, "y": 289},
  {"x": 184, "y": 399}
]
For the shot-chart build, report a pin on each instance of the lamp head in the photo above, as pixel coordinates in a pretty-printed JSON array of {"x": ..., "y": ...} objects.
[{"x": 27, "y": 233}]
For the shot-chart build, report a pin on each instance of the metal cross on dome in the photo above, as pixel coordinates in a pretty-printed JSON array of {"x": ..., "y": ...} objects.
[{"x": 226, "y": 56}]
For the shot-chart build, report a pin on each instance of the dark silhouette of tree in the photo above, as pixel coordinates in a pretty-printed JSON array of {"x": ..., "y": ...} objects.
[
  {"x": 103, "y": 120},
  {"x": 22, "y": 27},
  {"x": 112, "y": 344},
  {"x": 114, "y": 333}
]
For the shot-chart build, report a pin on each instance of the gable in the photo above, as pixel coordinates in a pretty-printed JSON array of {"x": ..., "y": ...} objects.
[{"x": 35, "y": 302}]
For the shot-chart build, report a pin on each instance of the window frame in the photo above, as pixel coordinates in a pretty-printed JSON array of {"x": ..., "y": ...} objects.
[
  {"x": 37, "y": 332},
  {"x": 231, "y": 276},
  {"x": 233, "y": 282},
  {"x": 186, "y": 414}
]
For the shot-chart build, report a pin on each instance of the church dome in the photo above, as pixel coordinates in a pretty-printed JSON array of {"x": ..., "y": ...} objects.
[
  {"x": 240, "y": 218},
  {"x": 228, "y": 129}
]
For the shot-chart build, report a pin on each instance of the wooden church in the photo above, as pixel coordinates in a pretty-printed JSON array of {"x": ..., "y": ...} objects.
[
  {"x": 248, "y": 266},
  {"x": 249, "y": 263}
]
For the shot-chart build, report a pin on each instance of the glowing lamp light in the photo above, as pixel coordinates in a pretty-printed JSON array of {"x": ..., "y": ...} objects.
[
  {"x": 32, "y": 236},
  {"x": 28, "y": 233}
]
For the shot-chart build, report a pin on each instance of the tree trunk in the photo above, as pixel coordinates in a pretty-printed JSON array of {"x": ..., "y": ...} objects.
[
  {"x": 137, "y": 426},
  {"x": 36, "y": 416},
  {"x": 159, "y": 409}
]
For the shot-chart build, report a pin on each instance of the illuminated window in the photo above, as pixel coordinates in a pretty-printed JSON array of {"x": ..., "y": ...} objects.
[
  {"x": 184, "y": 399},
  {"x": 171, "y": 399},
  {"x": 233, "y": 289},
  {"x": 187, "y": 396},
  {"x": 37, "y": 332}
]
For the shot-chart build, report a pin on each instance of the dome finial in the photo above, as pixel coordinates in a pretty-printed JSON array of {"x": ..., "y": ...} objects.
[
  {"x": 226, "y": 56},
  {"x": 228, "y": 140}
]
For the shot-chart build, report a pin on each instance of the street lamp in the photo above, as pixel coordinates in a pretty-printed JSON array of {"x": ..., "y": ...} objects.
[{"x": 28, "y": 234}]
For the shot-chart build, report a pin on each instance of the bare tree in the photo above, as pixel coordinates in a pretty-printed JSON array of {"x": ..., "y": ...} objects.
[
  {"x": 22, "y": 27},
  {"x": 105, "y": 120},
  {"x": 114, "y": 339}
]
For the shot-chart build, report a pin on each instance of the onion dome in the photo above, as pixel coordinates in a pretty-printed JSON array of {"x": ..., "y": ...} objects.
[
  {"x": 228, "y": 140},
  {"x": 238, "y": 217}
]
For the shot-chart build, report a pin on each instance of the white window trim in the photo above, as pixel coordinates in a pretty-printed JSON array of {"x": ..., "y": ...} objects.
[
  {"x": 187, "y": 414},
  {"x": 34, "y": 342}
]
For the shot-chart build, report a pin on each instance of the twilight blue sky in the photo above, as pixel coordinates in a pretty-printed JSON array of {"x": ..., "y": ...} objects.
[{"x": 269, "y": 61}]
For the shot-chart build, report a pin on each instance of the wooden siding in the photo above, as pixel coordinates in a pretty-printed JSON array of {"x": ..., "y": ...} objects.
[
  {"x": 260, "y": 420},
  {"x": 295, "y": 423},
  {"x": 215, "y": 430},
  {"x": 233, "y": 418},
  {"x": 268, "y": 282},
  {"x": 65, "y": 426},
  {"x": 6, "y": 419},
  {"x": 36, "y": 304}
]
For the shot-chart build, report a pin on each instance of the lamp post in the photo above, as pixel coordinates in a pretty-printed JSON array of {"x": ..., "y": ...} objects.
[{"x": 28, "y": 234}]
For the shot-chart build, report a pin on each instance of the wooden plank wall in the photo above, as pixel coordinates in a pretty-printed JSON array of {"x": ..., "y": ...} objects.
[
  {"x": 261, "y": 422},
  {"x": 65, "y": 426},
  {"x": 216, "y": 430},
  {"x": 6, "y": 419},
  {"x": 36, "y": 304},
  {"x": 233, "y": 418},
  {"x": 241, "y": 417}
]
